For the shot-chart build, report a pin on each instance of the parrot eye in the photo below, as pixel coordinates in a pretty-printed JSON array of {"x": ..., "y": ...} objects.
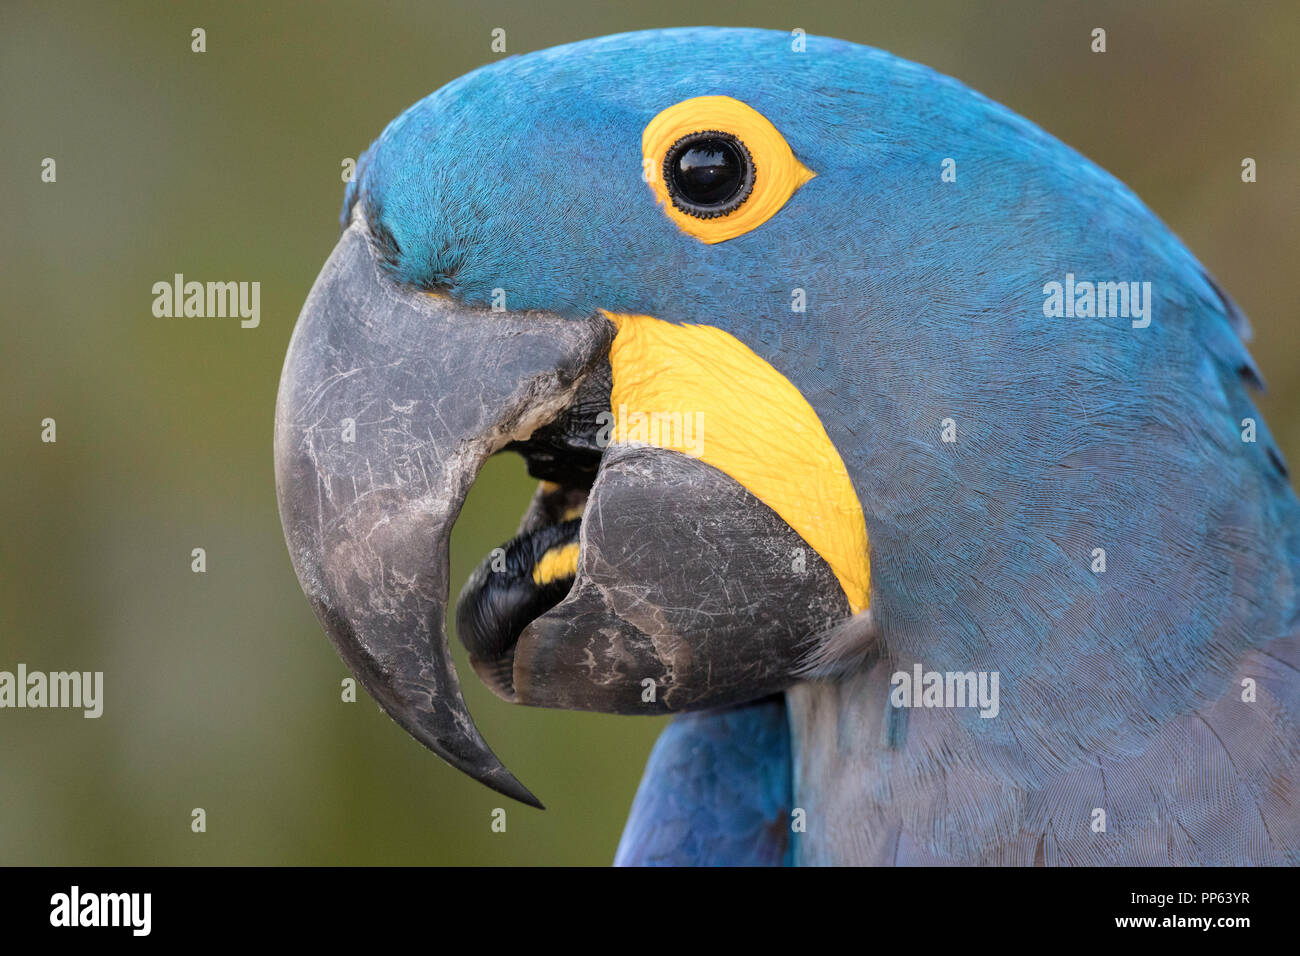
[
  {"x": 708, "y": 174},
  {"x": 702, "y": 160}
]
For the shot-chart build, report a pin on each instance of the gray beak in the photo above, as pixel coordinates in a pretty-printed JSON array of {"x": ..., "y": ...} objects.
[{"x": 390, "y": 401}]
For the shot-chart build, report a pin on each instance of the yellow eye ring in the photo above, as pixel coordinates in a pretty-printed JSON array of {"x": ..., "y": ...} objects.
[{"x": 771, "y": 179}]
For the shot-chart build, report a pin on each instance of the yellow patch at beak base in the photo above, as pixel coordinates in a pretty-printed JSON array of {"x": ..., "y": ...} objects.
[{"x": 699, "y": 390}]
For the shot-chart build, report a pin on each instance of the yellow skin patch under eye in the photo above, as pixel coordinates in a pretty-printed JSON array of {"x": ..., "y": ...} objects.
[
  {"x": 556, "y": 565},
  {"x": 753, "y": 425},
  {"x": 777, "y": 174}
]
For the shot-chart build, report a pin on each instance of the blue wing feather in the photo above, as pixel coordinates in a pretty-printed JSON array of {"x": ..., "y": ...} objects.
[{"x": 716, "y": 792}]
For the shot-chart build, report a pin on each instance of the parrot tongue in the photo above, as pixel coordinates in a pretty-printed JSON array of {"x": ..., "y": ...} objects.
[
  {"x": 520, "y": 582},
  {"x": 389, "y": 403}
]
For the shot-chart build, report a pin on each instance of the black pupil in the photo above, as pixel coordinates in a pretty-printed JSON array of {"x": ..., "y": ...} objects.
[{"x": 709, "y": 172}]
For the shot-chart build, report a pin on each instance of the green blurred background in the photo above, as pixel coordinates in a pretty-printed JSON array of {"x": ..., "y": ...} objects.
[{"x": 221, "y": 690}]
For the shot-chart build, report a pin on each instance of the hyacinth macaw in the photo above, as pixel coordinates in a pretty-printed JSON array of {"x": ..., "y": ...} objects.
[{"x": 835, "y": 375}]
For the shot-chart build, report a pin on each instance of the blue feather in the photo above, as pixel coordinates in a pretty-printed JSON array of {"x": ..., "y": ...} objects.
[{"x": 717, "y": 790}]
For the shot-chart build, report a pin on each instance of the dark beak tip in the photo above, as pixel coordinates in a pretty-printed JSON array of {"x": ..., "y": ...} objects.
[
  {"x": 500, "y": 779},
  {"x": 470, "y": 755},
  {"x": 523, "y": 795},
  {"x": 453, "y": 737},
  {"x": 505, "y": 783}
]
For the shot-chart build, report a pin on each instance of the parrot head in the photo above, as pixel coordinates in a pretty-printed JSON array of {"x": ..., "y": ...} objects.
[{"x": 716, "y": 289}]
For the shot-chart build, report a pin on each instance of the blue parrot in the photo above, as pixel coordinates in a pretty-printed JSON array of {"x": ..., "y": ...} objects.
[{"x": 896, "y": 447}]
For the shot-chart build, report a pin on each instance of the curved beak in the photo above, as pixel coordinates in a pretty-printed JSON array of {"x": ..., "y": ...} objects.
[{"x": 389, "y": 403}]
